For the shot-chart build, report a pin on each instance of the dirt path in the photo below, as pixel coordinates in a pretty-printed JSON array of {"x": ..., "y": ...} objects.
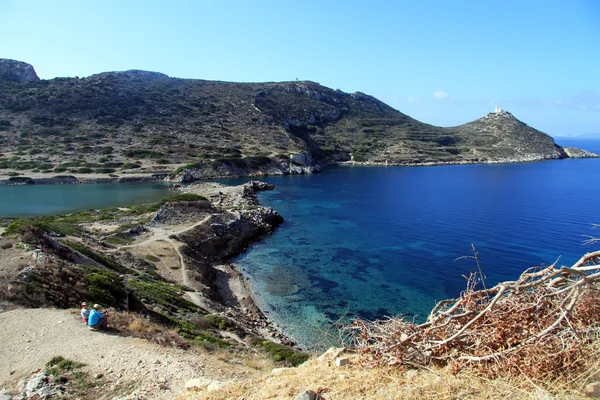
[
  {"x": 150, "y": 245},
  {"x": 31, "y": 337},
  {"x": 163, "y": 233}
]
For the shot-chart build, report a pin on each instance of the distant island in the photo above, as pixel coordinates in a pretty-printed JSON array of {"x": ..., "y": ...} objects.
[{"x": 121, "y": 126}]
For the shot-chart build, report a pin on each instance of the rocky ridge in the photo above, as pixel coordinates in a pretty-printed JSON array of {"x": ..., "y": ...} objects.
[{"x": 137, "y": 121}]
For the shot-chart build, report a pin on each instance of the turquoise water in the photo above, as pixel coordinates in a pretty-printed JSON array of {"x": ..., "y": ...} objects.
[
  {"x": 376, "y": 241},
  {"x": 31, "y": 200}
]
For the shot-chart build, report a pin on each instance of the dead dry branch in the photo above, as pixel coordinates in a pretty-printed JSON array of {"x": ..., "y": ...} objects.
[{"x": 545, "y": 325}]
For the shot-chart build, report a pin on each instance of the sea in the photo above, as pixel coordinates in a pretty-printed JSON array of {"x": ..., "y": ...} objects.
[
  {"x": 35, "y": 200},
  {"x": 379, "y": 242}
]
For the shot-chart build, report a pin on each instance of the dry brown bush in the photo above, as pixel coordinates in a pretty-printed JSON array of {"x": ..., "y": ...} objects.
[
  {"x": 132, "y": 324},
  {"x": 545, "y": 325}
]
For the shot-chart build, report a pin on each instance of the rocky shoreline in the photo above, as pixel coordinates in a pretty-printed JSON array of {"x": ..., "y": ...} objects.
[
  {"x": 298, "y": 164},
  {"x": 227, "y": 235},
  {"x": 73, "y": 180}
]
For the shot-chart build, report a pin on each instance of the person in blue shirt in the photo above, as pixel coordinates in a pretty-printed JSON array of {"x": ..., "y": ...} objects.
[{"x": 97, "y": 320}]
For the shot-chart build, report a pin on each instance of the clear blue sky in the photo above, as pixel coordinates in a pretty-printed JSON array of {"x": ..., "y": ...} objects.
[{"x": 442, "y": 62}]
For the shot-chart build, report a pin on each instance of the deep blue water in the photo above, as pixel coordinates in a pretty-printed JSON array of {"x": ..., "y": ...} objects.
[
  {"x": 377, "y": 241},
  {"x": 31, "y": 200}
]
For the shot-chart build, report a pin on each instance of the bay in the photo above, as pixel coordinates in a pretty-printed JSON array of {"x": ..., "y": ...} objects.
[
  {"x": 32, "y": 200},
  {"x": 372, "y": 242}
]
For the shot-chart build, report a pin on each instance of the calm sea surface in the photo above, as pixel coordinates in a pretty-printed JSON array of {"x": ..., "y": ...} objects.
[
  {"x": 376, "y": 241},
  {"x": 30, "y": 200}
]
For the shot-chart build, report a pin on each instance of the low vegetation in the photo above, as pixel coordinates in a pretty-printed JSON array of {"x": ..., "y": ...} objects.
[
  {"x": 48, "y": 225},
  {"x": 94, "y": 255},
  {"x": 284, "y": 354},
  {"x": 158, "y": 292},
  {"x": 104, "y": 287},
  {"x": 67, "y": 372}
]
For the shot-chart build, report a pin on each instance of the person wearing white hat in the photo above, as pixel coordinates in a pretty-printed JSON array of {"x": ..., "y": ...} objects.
[{"x": 97, "y": 320}]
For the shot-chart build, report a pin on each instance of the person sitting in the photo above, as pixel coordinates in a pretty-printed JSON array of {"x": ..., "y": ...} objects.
[
  {"x": 97, "y": 320},
  {"x": 85, "y": 312}
]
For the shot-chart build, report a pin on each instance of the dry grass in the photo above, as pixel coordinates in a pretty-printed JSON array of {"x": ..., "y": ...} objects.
[
  {"x": 132, "y": 324},
  {"x": 545, "y": 326},
  {"x": 354, "y": 381},
  {"x": 258, "y": 363}
]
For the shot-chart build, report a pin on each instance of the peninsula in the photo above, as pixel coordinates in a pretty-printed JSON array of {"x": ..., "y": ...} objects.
[{"x": 120, "y": 126}]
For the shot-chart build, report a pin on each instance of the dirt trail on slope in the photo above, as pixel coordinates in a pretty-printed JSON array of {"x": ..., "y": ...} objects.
[{"x": 31, "y": 337}]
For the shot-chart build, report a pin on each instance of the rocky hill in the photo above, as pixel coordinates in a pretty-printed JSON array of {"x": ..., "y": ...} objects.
[
  {"x": 139, "y": 121},
  {"x": 16, "y": 71}
]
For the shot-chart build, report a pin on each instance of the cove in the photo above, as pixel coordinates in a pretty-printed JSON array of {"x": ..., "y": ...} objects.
[
  {"x": 372, "y": 242},
  {"x": 32, "y": 200}
]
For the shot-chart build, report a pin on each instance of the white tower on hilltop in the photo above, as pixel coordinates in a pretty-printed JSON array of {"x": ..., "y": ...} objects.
[{"x": 498, "y": 109}]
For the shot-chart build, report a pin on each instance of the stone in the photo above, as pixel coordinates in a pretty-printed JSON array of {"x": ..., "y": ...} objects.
[
  {"x": 196, "y": 384},
  {"x": 278, "y": 371},
  {"x": 410, "y": 374},
  {"x": 341, "y": 361},
  {"x": 331, "y": 353},
  {"x": 593, "y": 390},
  {"x": 36, "y": 382},
  {"x": 214, "y": 386},
  {"x": 307, "y": 395},
  {"x": 5, "y": 397}
]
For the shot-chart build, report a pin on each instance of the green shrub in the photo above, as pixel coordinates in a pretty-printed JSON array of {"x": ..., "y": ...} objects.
[
  {"x": 161, "y": 293},
  {"x": 187, "y": 166},
  {"x": 285, "y": 354},
  {"x": 204, "y": 338},
  {"x": 142, "y": 153},
  {"x": 61, "y": 228},
  {"x": 104, "y": 170},
  {"x": 104, "y": 287},
  {"x": 218, "y": 322},
  {"x": 58, "y": 365},
  {"x": 152, "y": 258},
  {"x": 130, "y": 166},
  {"x": 20, "y": 179},
  {"x": 182, "y": 197}
]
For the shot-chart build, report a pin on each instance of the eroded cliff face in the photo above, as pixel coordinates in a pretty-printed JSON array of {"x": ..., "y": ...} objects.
[
  {"x": 300, "y": 163},
  {"x": 16, "y": 71}
]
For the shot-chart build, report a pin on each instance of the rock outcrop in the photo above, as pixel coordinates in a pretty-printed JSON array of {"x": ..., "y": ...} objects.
[
  {"x": 16, "y": 71},
  {"x": 301, "y": 163}
]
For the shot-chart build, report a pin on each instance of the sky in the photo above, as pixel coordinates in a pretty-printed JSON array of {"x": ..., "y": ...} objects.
[{"x": 443, "y": 62}]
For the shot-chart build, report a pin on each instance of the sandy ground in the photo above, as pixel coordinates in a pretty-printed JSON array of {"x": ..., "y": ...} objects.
[
  {"x": 13, "y": 259},
  {"x": 31, "y": 337}
]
